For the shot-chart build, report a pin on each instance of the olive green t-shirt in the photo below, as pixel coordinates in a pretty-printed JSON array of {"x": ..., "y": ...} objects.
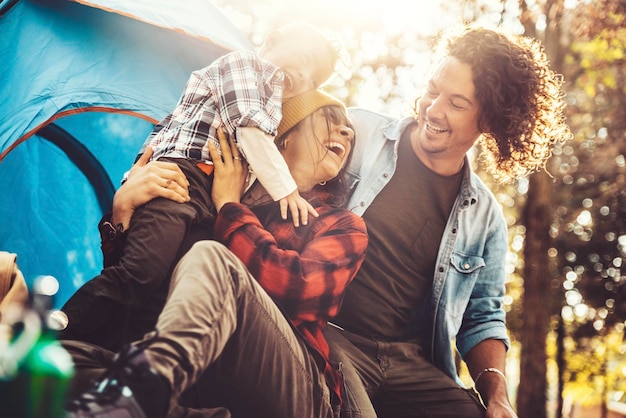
[{"x": 405, "y": 223}]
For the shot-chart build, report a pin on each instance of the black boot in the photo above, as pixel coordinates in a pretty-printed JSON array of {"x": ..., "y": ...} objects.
[{"x": 129, "y": 388}]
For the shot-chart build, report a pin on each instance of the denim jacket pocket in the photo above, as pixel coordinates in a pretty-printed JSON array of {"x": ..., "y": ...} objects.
[
  {"x": 462, "y": 278},
  {"x": 466, "y": 264}
]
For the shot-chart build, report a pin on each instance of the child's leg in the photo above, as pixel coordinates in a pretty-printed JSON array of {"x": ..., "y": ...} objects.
[{"x": 123, "y": 302}]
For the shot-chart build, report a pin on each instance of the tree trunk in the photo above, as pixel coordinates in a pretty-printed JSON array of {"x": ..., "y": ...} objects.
[
  {"x": 532, "y": 391},
  {"x": 560, "y": 362},
  {"x": 537, "y": 303}
]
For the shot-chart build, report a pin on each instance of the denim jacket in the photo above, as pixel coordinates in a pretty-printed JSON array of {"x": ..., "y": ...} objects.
[{"x": 465, "y": 303}]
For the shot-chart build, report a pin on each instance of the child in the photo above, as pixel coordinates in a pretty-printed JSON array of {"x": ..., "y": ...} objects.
[{"x": 242, "y": 93}]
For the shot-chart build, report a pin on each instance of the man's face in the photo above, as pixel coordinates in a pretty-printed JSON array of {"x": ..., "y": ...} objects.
[{"x": 448, "y": 118}]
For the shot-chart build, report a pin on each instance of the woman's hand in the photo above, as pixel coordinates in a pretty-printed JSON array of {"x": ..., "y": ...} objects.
[
  {"x": 147, "y": 180},
  {"x": 230, "y": 172}
]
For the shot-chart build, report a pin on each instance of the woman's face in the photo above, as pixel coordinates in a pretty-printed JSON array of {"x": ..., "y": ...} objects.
[{"x": 317, "y": 150}]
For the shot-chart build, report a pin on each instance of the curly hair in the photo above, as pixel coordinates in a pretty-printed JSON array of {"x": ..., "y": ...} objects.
[{"x": 520, "y": 97}]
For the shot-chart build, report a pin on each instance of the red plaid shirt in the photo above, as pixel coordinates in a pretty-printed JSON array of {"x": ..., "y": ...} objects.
[{"x": 305, "y": 270}]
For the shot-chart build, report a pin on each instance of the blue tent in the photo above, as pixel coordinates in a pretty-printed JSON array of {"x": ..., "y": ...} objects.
[{"x": 83, "y": 83}]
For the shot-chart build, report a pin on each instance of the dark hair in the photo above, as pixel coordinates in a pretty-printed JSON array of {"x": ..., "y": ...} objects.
[
  {"x": 335, "y": 191},
  {"x": 520, "y": 97}
]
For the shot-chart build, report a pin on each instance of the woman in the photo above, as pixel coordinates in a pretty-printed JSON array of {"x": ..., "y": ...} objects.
[{"x": 242, "y": 324}]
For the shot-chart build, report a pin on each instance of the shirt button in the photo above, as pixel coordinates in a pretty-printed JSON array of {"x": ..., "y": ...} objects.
[
  {"x": 466, "y": 265},
  {"x": 441, "y": 269},
  {"x": 385, "y": 175},
  {"x": 454, "y": 230},
  {"x": 362, "y": 204}
]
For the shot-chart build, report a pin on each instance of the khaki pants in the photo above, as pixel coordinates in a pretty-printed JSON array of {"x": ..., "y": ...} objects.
[{"x": 224, "y": 343}]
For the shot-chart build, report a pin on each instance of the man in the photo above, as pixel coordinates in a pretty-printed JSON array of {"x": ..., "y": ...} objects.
[{"x": 435, "y": 266}]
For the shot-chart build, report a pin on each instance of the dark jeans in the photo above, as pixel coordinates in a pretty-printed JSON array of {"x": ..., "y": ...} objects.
[
  {"x": 395, "y": 380},
  {"x": 122, "y": 303},
  {"x": 224, "y": 343}
]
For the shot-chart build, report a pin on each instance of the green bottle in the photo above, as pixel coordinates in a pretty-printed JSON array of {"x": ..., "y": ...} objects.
[{"x": 35, "y": 369}]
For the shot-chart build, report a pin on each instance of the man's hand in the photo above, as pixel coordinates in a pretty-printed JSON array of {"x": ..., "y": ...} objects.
[
  {"x": 500, "y": 410},
  {"x": 298, "y": 207},
  {"x": 146, "y": 181},
  {"x": 492, "y": 386}
]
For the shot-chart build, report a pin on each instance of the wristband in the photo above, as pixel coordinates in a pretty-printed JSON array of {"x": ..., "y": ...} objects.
[{"x": 488, "y": 370}]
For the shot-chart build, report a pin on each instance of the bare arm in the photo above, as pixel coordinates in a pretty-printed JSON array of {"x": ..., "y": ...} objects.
[{"x": 492, "y": 386}]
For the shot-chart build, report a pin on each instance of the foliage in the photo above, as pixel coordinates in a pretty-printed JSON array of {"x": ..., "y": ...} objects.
[
  {"x": 590, "y": 219},
  {"x": 595, "y": 366}
]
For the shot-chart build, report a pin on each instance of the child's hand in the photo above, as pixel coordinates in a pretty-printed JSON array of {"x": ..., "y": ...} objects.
[{"x": 298, "y": 207}]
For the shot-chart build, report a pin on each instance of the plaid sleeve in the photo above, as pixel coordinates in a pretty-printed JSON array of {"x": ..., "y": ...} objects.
[
  {"x": 191, "y": 119},
  {"x": 249, "y": 93},
  {"x": 305, "y": 269}
]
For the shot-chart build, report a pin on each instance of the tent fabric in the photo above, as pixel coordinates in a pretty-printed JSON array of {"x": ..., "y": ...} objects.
[
  {"x": 60, "y": 56},
  {"x": 197, "y": 18},
  {"x": 97, "y": 75}
]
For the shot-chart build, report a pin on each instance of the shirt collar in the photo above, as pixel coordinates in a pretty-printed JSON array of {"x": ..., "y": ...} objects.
[
  {"x": 394, "y": 129},
  {"x": 469, "y": 191}
]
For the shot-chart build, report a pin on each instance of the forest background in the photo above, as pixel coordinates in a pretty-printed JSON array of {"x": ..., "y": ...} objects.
[{"x": 566, "y": 279}]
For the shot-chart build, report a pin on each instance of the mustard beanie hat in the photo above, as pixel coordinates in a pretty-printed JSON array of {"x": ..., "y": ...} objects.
[{"x": 299, "y": 107}]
